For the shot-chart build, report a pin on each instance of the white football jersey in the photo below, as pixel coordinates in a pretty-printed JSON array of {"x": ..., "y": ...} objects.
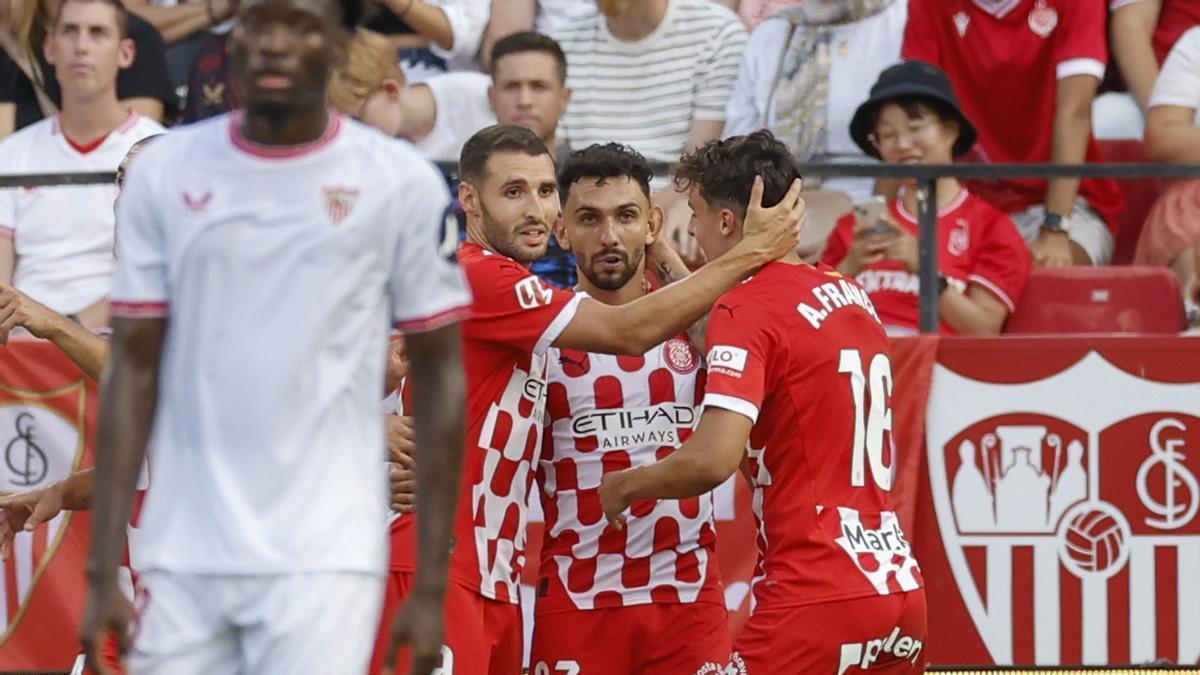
[
  {"x": 279, "y": 272},
  {"x": 63, "y": 235}
]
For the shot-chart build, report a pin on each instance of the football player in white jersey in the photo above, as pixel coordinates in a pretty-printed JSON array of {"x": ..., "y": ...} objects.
[
  {"x": 252, "y": 302},
  {"x": 600, "y": 593}
]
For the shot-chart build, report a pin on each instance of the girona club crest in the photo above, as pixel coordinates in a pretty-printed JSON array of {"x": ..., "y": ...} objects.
[
  {"x": 1062, "y": 526},
  {"x": 339, "y": 202},
  {"x": 40, "y": 442}
]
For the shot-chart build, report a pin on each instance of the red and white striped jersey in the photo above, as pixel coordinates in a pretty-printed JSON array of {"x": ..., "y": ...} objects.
[{"x": 607, "y": 413}]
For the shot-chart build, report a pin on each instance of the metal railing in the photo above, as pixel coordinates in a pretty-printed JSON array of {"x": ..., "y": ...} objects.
[{"x": 925, "y": 175}]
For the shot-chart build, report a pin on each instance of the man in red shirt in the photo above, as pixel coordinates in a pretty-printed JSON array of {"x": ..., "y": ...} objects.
[
  {"x": 1027, "y": 72},
  {"x": 1143, "y": 32},
  {"x": 509, "y": 192},
  {"x": 799, "y": 384}
]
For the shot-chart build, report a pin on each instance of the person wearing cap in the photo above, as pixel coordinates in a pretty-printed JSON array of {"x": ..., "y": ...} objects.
[{"x": 913, "y": 116}]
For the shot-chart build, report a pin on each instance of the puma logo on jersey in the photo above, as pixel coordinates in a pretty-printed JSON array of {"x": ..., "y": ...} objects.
[
  {"x": 864, "y": 654},
  {"x": 727, "y": 308}
]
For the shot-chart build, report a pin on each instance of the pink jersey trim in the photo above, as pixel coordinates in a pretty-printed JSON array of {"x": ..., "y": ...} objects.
[
  {"x": 995, "y": 290},
  {"x": 282, "y": 152},
  {"x": 7, "y": 232},
  {"x": 138, "y": 310},
  {"x": 129, "y": 122},
  {"x": 944, "y": 211},
  {"x": 435, "y": 321}
]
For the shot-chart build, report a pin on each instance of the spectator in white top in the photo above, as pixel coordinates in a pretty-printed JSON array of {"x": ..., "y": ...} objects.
[
  {"x": 56, "y": 243},
  {"x": 655, "y": 75},
  {"x": 1172, "y": 227},
  {"x": 433, "y": 36},
  {"x": 437, "y": 116},
  {"x": 518, "y": 16},
  {"x": 804, "y": 73}
]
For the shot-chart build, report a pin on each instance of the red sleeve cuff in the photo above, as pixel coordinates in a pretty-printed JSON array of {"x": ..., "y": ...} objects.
[{"x": 138, "y": 310}]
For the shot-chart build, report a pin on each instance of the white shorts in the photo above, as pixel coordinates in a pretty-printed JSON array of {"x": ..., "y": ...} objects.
[
  {"x": 286, "y": 624},
  {"x": 1088, "y": 229}
]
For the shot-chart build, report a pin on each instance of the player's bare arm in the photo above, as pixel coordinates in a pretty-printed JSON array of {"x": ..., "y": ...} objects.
[
  {"x": 633, "y": 328},
  {"x": 128, "y": 398},
  {"x": 438, "y": 417},
  {"x": 667, "y": 267},
  {"x": 25, "y": 511},
  {"x": 702, "y": 463},
  {"x": 86, "y": 349}
]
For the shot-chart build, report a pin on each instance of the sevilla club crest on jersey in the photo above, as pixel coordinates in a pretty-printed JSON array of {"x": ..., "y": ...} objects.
[
  {"x": 339, "y": 202},
  {"x": 680, "y": 356},
  {"x": 1043, "y": 19},
  {"x": 1071, "y": 525}
]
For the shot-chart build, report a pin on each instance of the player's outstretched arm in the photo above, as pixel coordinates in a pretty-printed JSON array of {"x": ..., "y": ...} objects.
[
  {"x": 703, "y": 462},
  {"x": 128, "y": 398},
  {"x": 666, "y": 266},
  {"x": 86, "y": 349},
  {"x": 635, "y": 327},
  {"x": 25, "y": 511},
  {"x": 437, "y": 374}
]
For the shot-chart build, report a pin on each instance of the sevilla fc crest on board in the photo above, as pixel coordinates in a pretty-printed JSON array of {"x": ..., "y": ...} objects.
[
  {"x": 339, "y": 202},
  {"x": 1062, "y": 525}
]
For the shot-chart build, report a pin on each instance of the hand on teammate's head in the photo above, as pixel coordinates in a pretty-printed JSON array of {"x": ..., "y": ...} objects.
[{"x": 774, "y": 230}]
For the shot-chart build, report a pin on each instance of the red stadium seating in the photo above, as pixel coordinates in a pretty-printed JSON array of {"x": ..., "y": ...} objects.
[
  {"x": 1099, "y": 300},
  {"x": 1140, "y": 195}
]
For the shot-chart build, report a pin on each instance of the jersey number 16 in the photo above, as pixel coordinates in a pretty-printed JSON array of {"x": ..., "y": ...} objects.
[{"x": 871, "y": 425}]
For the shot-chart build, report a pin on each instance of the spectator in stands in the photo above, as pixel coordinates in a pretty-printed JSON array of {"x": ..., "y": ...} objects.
[
  {"x": 806, "y": 69},
  {"x": 30, "y": 90},
  {"x": 211, "y": 87},
  {"x": 655, "y": 75},
  {"x": 912, "y": 116},
  {"x": 1172, "y": 227},
  {"x": 1143, "y": 33},
  {"x": 433, "y": 36},
  {"x": 56, "y": 244},
  {"x": 437, "y": 115},
  {"x": 517, "y": 16},
  {"x": 529, "y": 89},
  {"x": 529, "y": 86},
  {"x": 1032, "y": 102},
  {"x": 185, "y": 26}
]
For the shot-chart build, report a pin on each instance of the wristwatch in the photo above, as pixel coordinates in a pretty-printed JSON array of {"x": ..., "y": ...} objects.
[{"x": 1055, "y": 222}]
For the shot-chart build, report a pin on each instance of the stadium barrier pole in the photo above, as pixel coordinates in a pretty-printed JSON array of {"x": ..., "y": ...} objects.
[{"x": 928, "y": 254}]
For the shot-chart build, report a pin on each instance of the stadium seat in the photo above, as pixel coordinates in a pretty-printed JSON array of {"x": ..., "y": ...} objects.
[
  {"x": 1099, "y": 300},
  {"x": 1140, "y": 195}
]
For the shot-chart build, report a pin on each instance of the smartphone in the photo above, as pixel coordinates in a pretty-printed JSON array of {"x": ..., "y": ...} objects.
[{"x": 870, "y": 213}]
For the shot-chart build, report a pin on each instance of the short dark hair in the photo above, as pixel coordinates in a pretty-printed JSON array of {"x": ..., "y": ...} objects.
[
  {"x": 119, "y": 7},
  {"x": 914, "y": 105},
  {"x": 472, "y": 163},
  {"x": 600, "y": 161},
  {"x": 529, "y": 41},
  {"x": 724, "y": 170}
]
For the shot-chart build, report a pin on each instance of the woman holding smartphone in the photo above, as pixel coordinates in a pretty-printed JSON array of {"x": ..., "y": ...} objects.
[{"x": 912, "y": 116}]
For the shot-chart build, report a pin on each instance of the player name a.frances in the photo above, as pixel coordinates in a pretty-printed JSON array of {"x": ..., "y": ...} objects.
[{"x": 832, "y": 297}]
